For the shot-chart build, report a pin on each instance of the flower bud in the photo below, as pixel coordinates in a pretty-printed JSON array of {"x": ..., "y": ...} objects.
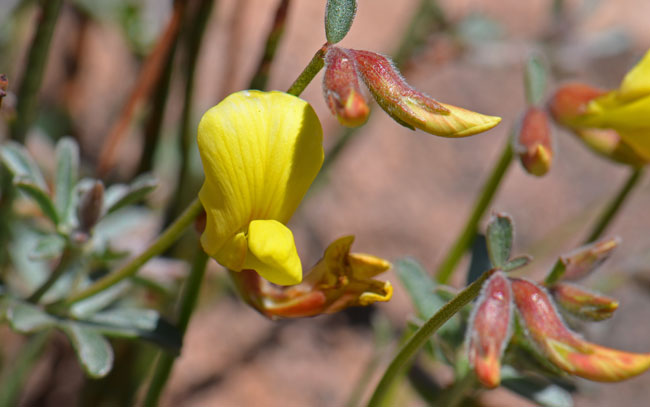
[
  {"x": 4, "y": 83},
  {"x": 414, "y": 109},
  {"x": 570, "y": 101},
  {"x": 582, "y": 302},
  {"x": 90, "y": 206},
  {"x": 583, "y": 260},
  {"x": 490, "y": 329},
  {"x": 533, "y": 143},
  {"x": 565, "y": 349},
  {"x": 342, "y": 89}
]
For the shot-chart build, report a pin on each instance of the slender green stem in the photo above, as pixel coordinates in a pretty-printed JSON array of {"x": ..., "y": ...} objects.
[
  {"x": 186, "y": 186},
  {"x": 422, "y": 335},
  {"x": 34, "y": 68},
  {"x": 164, "y": 241},
  {"x": 187, "y": 305},
  {"x": 60, "y": 269},
  {"x": 613, "y": 207},
  {"x": 466, "y": 237},
  {"x": 308, "y": 74},
  {"x": 261, "y": 75},
  {"x": 14, "y": 377}
]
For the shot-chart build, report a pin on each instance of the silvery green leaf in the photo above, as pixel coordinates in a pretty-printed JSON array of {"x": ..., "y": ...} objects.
[
  {"x": 38, "y": 195},
  {"x": 67, "y": 172},
  {"x": 339, "y": 15},
  {"x": 93, "y": 350},
  {"x": 119, "y": 196},
  {"x": 48, "y": 247},
  {"x": 499, "y": 239},
  {"x": 21, "y": 164}
]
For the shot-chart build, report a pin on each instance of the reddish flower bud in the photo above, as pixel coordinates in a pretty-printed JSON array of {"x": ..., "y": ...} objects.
[
  {"x": 342, "y": 89},
  {"x": 570, "y": 101},
  {"x": 414, "y": 109},
  {"x": 490, "y": 329},
  {"x": 533, "y": 143},
  {"x": 564, "y": 348},
  {"x": 4, "y": 83},
  {"x": 583, "y": 303},
  {"x": 583, "y": 260}
]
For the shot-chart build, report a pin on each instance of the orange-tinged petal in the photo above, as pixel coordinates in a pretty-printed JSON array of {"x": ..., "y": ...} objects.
[
  {"x": 582, "y": 302},
  {"x": 490, "y": 329}
]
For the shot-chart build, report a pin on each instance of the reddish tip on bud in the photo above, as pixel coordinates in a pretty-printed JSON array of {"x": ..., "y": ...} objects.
[
  {"x": 565, "y": 349},
  {"x": 582, "y": 302},
  {"x": 570, "y": 101},
  {"x": 490, "y": 329},
  {"x": 342, "y": 89},
  {"x": 414, "y": 109},
  {"x": 533, "y": 142}
]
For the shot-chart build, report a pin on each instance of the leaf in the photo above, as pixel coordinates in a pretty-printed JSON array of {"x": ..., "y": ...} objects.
[
  {"x": 93, "y": 350},
  {"x": 480, "y": 262},
  {"x": 339, "y": 15},
  {"x": 39, "y": 195},
  {"x": 85, "y": 308},
  {"x": 499, "y": 239},
  {"x": 138, "y": 323},
  {"x": 535, "y": 80},
  {"x": 28, "y": 318},
  {"x": 537, "y": 389},
  {"x": 21, "y": 164},
  {"x": 67, "y": 171},
  {"x": 48, "y": 247},
  {"x": 517, "y": 262},
  {"x": 119, "y": 196},
  {"x": 422, "y": 290}
]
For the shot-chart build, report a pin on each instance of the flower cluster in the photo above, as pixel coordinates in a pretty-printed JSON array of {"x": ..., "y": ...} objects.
[
  {"x": 530, "y": 312},
  {"x": 614, "y": 124}
]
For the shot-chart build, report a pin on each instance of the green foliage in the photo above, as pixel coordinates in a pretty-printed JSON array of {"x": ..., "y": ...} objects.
[
  {"x": 499, "y": 239},
  {"x": 535, "y": 80},
  {"x": 339, "y": 15}
]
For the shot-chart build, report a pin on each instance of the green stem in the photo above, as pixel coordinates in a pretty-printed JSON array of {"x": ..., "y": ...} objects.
[
  {"x": 14, "y": 377},
  {"x": 464, "y": 240},
  {"x": 308, "y": 74},
  {"x": 422, "y": 335},
  {"x": 613, "y": 207},
  {"x": 261, "y": 75},
  {"x": 185, "y": 185},
  {"x": 187, "y": 305},
  {"x": 163, "y": 242},
  {"x": 34, "y": 68},
  {"x": 60, "y": 269}
]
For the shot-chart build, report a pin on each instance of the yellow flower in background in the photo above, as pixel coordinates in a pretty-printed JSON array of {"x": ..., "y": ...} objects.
[
  {"x": 260, "y": 151},
  {"x": 625, "y": 110}
]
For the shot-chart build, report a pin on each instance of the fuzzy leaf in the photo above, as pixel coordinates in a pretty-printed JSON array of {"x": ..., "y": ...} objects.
[
  {"x": 39, "y": 195},
  {"x": 517, "y": 262},
  {"x": 21, "y": 164},
  {"x": 67, "y": 171},
  {"x": 93, "y": 350},
  {"x": 119, "y": 196},
  {"x": 339, "y": 15},
  {"x": 499, "y": 239},
  {"x": 48, "y": 247},
  {"x": 28, "y": 318}
]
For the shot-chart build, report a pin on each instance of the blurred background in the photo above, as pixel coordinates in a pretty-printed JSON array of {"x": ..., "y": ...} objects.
[{"x": 398, "y": 191}]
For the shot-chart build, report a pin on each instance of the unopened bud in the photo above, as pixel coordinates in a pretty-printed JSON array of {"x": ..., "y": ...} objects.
[
  {"x": 564, "y": 348},
  {"x": 342, "y": 89},
  {"x": 582, "y": 261},
  {"x": 4, "y": 83},
  {"x": 414, "y": 109},
  {"x": 583, "y": 303},
  {"x": 490, "y": 329},
  {"x": 533, "y": 143},
  {"x": 90, "y": 206},
  {"x": 570, "y": 101}
]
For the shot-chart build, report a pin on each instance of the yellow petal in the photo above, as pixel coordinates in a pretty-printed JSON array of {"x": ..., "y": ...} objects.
[
  {"x": 272, "y": 252},
  {"x": 637, "y": 82},
  {"x": 260, "y": 152},
  {"x": 639, "y": 141},
  {"x": 608, "y": 112}
]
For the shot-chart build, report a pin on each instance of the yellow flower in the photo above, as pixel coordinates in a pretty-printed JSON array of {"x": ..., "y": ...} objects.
[
  {"x": 260, "y": 151},
  {"x": 626, "y": 110}
]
